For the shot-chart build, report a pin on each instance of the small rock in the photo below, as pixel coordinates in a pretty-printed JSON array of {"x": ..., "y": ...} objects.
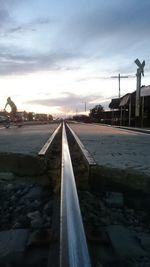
[
  {"x": 34, "y": 214},
  {"x": 16, "y": 225},
  {"x": 7, "y": 176},
  {"x": 12, "y": 246},
  {"x": 33, "y": 193},
  {"x": 42, "y": 237},
  {"x": 105, "y": 221},
  {"x": 9, "y": 187},
  {"x": 34, "y": 205},
  {"x": 36, "y": 220},
  {"x": 114, "y": 199},
  {"x": 144, "y": 240},
  {"x": 13, "y": 198},
  {"x": 124, "y": 242},
  {"x": 24, "y": 221},
  {"x": 48, "y": 207}
]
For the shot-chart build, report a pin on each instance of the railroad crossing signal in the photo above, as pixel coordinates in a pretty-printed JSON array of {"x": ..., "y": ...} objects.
[
  {"x": 140, "y": 65},
  {"x": 140, "y": 70}
]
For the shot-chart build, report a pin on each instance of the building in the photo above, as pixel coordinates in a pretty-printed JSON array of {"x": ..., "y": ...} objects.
[{"x": 123, "y": 109}]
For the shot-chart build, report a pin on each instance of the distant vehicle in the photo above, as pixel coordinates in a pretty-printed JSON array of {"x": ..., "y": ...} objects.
[
  {"x": 5, "y": 121},
  {"x": 3, "y": 118}
]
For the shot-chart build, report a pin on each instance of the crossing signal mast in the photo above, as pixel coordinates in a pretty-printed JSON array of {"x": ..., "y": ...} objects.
[{"x": 140, "y": 70}]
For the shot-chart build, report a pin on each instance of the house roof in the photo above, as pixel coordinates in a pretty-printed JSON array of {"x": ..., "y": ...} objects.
[
  {"x": 114, "y": 104},
  {"x": 125, "y": 100}
]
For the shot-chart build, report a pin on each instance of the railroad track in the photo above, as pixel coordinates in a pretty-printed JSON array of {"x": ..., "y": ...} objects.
[
  {"x": 61, "y": 231},
  {"x": 73, "y": 248},
  {"x": 46, "y": 213}
]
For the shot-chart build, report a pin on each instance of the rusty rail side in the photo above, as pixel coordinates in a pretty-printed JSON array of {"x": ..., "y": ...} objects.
[{"x": 47, "y": 145}]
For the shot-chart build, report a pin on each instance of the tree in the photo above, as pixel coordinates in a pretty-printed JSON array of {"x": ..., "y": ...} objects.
[
  {"x": 96, "y": 112},
  {"x": 50, "y": 117},
  {"x": 30, "y": 116}
]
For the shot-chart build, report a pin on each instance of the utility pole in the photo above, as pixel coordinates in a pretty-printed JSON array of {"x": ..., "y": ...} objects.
[
  {"x": 85, "y": 106},
  {"x": 140, "y": 70},
  {"x": 84, "y": 102},
  {"x": 119, "y": 77}
]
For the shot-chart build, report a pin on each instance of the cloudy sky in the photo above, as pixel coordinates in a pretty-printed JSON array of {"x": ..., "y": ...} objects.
[{"x": 55, "y": 56}]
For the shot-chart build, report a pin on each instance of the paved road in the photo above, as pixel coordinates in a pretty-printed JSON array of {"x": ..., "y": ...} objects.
[
  {"x": 116, "y": 148},
  {"x": 28, "y": 139}
]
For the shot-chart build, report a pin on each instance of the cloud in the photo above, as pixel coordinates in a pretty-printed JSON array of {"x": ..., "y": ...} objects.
[
  {"x": 116, "y": 31},
  {"x": 62, "y": 100},
  {"x": 4, "y": 16},
  {"x": 20, "y": 62},
  {"x": 6, "y": 7},
  {"x": 67, "y": 101},
  {"x": 107, "y": 29},
  {"x": 31, "y": 26}
]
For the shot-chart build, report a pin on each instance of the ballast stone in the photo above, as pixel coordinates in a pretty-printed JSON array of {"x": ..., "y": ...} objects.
[
  {"x": 124, "y": 242},
  {"x": 12, "y": 245},
  {"x": 114, "y": 199}
]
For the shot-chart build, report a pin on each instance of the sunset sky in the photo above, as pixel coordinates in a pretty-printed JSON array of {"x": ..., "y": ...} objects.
[{"x": 55, "y": 56}]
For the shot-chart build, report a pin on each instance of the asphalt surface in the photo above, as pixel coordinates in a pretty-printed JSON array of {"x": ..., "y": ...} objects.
[
  {"x": 115, "y": 147},
  {"x": 109, "y": 146},
  {"x": 28, "y": 139}
]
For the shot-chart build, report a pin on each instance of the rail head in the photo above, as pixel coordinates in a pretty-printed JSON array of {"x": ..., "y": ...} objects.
[
  {"x": 73, "y": 246},
  {"x": 47, "y": 145}
]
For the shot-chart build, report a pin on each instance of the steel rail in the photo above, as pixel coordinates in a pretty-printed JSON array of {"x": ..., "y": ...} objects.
[
  {"x": 85, "y": 152},
  {"x": 73, "y": 245},
  {"x": 47, "y": 145}
]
